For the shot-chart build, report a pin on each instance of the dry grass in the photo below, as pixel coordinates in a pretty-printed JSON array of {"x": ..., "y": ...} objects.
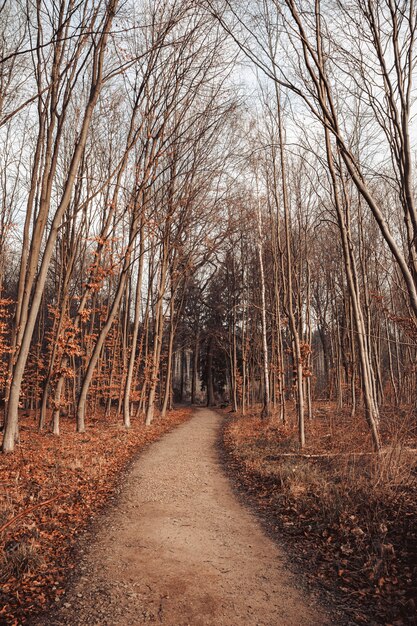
[{"x": 18, "y": 559}]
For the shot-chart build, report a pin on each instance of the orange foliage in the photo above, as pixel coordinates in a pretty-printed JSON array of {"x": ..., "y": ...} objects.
[
  {"x": 79, "y": 472},
  {"x": 5, "y": 348}
]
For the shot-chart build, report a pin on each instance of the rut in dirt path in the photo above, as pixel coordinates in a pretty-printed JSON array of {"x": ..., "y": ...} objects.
[{"x": 179, "y": 549}]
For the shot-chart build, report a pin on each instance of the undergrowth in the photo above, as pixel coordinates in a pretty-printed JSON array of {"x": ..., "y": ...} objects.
[{"x": 349, "y": 515}]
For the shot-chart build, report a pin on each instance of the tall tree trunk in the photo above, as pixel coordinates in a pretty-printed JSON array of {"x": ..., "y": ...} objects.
[
  {"x": 266, "y": 409},
  {"x": 298, "y": 363},
  {"x": 168, "y": 381}
]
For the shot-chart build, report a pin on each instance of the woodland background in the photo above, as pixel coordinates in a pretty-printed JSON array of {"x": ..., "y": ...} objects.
[{"x": 210, "y": 201}]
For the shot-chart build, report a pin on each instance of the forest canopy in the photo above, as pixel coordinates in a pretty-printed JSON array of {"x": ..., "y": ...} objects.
[{"x": 207, "y": 201}]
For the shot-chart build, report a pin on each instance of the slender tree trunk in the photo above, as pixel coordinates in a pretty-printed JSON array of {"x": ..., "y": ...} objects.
[
  {"x": 196, "y": 359},
  {"x": 134, "y": 342},
  {"x": 266, "y": 409},
  {"x": 158, "y": 334},
  {"x": 168, "y": 382},
  {"x": 298, "y": 363}
]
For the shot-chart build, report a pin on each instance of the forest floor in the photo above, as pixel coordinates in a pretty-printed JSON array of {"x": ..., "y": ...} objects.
[
  {"x": 51, "y": 490},
  {"x": 348, "y": 518},
  {"x": 175, "y": 546},
  {"x": 178, "y": 548}
]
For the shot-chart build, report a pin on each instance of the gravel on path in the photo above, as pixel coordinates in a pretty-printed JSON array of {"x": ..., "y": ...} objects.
[{"x": 179, "y": 549}]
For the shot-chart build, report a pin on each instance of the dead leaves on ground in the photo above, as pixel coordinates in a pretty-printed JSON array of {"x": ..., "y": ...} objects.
[
  {"x": 49, "y": 491},
  {"x": 349, "y": 522}
]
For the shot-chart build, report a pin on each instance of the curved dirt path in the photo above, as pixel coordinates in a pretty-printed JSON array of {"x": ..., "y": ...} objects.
[{"x": 179, "y": 549}]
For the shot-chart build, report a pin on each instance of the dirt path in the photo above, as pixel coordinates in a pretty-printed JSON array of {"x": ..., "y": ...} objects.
[{"x": 180, "y": 550}]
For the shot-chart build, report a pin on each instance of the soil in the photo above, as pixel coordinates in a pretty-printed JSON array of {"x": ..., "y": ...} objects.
[{"x": 179, "y": 549}]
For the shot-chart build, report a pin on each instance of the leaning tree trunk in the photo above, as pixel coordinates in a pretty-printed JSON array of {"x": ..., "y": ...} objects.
[
  {"x": 82, "y": 400},
  {"x": 371, "y": 407},
  {"x": 132, "y": 356},
  {"x": 18, "y": 371}
]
